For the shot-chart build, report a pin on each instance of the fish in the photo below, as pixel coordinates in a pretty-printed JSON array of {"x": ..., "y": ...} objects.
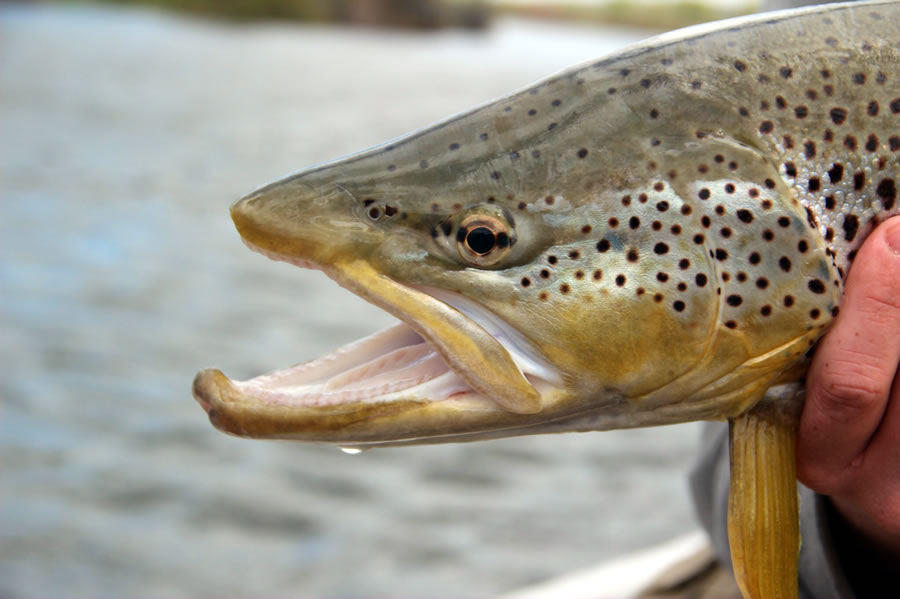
[{"x": 654, "y": 237}]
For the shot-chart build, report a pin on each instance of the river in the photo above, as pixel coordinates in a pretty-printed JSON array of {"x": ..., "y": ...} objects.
[{"x": 124, "y": 135}]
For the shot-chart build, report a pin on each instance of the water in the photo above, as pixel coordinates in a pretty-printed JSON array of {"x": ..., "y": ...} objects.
[{"x": 123, "y": 137}]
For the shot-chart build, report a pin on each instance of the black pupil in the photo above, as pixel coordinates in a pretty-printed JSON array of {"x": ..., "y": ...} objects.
[{"x": 481, "y": 240}]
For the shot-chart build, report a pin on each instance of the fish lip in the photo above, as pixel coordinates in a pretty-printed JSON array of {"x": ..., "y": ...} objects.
[{"x": 235, "y": 410}]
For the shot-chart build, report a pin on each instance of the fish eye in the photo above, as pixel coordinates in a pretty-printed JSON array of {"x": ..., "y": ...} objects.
[{"x": 483, "y": 239}]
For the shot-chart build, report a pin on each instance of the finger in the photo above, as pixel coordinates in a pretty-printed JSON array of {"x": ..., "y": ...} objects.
[{"x": 851, "y": 374}]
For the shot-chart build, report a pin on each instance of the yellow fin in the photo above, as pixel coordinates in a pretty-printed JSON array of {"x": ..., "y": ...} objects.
[{"x": 763, "y": 522}]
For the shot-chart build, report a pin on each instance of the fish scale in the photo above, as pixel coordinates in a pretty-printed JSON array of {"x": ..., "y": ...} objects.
[{"x": 655, "y": 237}]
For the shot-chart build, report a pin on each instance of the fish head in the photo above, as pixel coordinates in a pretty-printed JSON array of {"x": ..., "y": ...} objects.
[{"x": 518, "y": 314}]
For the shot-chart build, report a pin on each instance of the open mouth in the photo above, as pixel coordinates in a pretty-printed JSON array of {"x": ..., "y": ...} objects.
[{"x": 447, "y": 347}]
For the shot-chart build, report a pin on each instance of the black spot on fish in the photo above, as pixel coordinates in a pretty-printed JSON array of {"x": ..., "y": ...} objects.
[{"x": 851, "y": 226}]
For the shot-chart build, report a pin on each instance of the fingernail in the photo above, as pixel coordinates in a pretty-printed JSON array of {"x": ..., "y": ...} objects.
[{"x": 893, "y": 234}]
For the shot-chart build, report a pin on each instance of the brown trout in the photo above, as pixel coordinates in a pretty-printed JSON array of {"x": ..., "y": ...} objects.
[{"x": 655, "y": 237}]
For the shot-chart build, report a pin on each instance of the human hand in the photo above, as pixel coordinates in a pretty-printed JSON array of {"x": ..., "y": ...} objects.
[{"x": 848, "y": 440}]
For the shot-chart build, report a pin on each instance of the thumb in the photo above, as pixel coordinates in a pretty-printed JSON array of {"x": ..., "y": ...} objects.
[{"x": 850, "y": 378}]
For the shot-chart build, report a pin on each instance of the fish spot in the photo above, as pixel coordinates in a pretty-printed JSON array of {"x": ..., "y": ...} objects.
[
  {"x": 740, "y": 66},
  {"x": 838, "y": 115},
  {"x": 850, "y": 142},
  {"x": 705, "y": 221},
  {"x": 686, "y": 210},
  {"x": 780, "y": 102},
  {"x": 678, "y": 305},
  {"x": 544, "y": 274},
  {"x": 814, "y": 184},
  {"x": 721, "y": 254},
  {"x": 766, "y": 204},
  {"x": 549, "y": 200},
  {"x": 658, "y": 297},
  {"x": 579, "y": 274},
  {"x": 423, "y": 164},
  {"x": 872, "y": 142},
  {"x": 745, "y": 215},
  {"x": 582, "y": 152},
  {"x": 645, "y": 83},
  {"x": 859, "y": 78},
  {"x": 586, "y": 229},
  {"x": 661, "y": 248},
  {"x": 522, "y": 206},
  {"x": 391, "y": 167},
  {"x": 851, "y": 226},
  {"x": 770, "y": 183},
  {"x": 784, "y": 222},
  {"x": 704, "y": 194},
  {"x": 731, "y": 324},
  {"x": 684, "y": 264},
  {"x": 802, "y": 246},
  {"x": 564, "y": 288},
  {"x": 785, "y": 263},
  {"x": 514, "y": 155},
  {"x": 626, "y": 200},
  {"x": 603, "y": 245},
  {"x": 634, "y": 222},
  {"x": 816, "y": 286},
  {"x": 535, "y": 153},
  {"x": 574, "y": 254},
  {"x": 768, "y": 235},
  {"x": 895, "y": 105},
  {"x": 720, "y": 209},
  {"x": 699, "y": 238},
  {"x": 725, "y": 232},
  {"x": 556, "y": 102},
  {"x": 812, "y": 94},
  {"x": 663, "y": 205},
  {"x": 766, "y": 127},
  {"x": 762, "y": 283},
  {"x": 836, "y": 172},
  {"x": 543, "y": 296},
  {"x": 872, "y": 108},
  {"x": 483, "y": 137},
  {"x": 859, "y": 180},
  {"x": 495, "y": 175},
  {"x": 729, "y": 188},
  {"x": 552, "y": 259},
  {"x": 597, "y": 275},
  {"x": 814, "y": 313},
  {"x": 790, "y": 169},
  {"x": 662, "y": 277},
  {"x": 785, "y": 72},
  {"x": 734, "y": 300},
  {"x": 632, "y": 255},
  {"x": 894, "y": 143},
  {"x": 526, "y": 282},
  {"x": 675, "y": 229},
  {"x": 887, "y": 191},
  {"x": 766, "y": 310},
  {"x": 788, "y": 142},
  {"x": 809, "y": 149},
  {"x": 613, "y": 222},
  {"x": 620, "y": 280},
  {"x": 754, "y": 258},
  {"x": 829, "y": 202},
  {"x": 532, "y": 112},
  {"x": 829, "y": 234},
  {"x": 453, "y": 147},
  {"x": 700, "y": 279}
]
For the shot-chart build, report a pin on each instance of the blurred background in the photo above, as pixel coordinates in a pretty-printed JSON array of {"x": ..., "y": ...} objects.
[{"x": 126, "y": 129}]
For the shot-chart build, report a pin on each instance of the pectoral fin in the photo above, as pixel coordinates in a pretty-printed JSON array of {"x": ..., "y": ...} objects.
[{"x": 763, "y": 521}]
